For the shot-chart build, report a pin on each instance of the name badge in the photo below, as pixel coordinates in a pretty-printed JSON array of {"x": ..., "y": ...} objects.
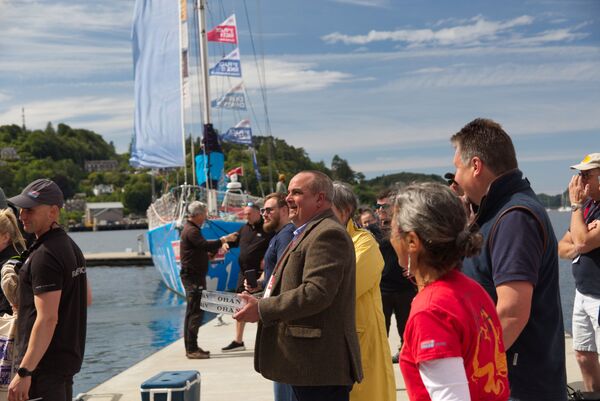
[{"x": 269, "y": 288}]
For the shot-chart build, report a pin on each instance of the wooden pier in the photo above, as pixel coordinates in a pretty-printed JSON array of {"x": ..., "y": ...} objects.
[
  {"x": 118, "y": 259},
  {"x": 231, "y": 376}
]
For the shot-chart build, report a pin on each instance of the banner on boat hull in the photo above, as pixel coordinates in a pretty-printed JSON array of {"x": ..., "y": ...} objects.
[{"x": 157, "y": 59}]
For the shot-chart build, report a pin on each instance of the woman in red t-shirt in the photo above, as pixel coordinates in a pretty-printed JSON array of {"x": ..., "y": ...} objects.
[{"x": 453, "y": 347}]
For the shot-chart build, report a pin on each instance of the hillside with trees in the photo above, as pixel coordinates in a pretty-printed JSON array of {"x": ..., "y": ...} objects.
[{"x": 61, "y": 153}]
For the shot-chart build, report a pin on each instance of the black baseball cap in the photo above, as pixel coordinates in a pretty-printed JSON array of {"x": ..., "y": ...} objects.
[{"x": 39, "y": 192}]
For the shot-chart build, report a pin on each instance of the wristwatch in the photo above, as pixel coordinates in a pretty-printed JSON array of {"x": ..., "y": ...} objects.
[
  {"x": 575, "y": 207},
  {"x": 23, "y": 372}
]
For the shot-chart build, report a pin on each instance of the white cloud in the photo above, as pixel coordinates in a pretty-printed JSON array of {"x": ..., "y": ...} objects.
[
  {"x": 505, "y": 74},
  {"x": 556, "y": 35},
  {"x": 479, "y": 30},
  {"x": 288, "y": 76},
  {"x": 365, "y": 3},
  {"x": 101, "y": 114}
]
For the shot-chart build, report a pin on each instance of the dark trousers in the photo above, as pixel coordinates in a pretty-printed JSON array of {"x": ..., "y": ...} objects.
[
  {"x": 397, "y": 303},
  {"x": 51, "y": 387},
  {"x": 193, "y": 314},
  {"x": 322, "y": 393}
]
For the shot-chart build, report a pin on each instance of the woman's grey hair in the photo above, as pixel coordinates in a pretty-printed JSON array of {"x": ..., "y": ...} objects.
[
  {"x": 439, "y": 218},
  {"x": 196, "y": 207},
  {"x": 343, "y": 198}
]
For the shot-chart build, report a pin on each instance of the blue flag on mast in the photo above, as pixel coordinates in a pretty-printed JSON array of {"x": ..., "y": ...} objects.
[
  {"x": 240, "y": 134},
  {"x": 234, "y": 99},
  {"x": 255, "y": 165},
  {"x": 229, "y": 66}
]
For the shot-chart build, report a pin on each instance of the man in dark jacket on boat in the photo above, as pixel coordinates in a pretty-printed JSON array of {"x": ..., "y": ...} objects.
[
  {"x": 582, "y": 244},
  {"x": 518, "y": 264},
  {"x": 194, "y": 250}
]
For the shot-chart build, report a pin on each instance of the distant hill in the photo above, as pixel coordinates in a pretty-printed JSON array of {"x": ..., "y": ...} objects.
[{"x": 61, "y": 153}]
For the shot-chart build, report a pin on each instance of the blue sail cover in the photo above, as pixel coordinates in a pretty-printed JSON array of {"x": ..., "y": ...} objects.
[{"x": 157, "y": 141}]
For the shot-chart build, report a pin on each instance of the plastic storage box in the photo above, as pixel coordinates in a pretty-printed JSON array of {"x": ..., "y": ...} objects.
[{"x": 180, "y": 385}]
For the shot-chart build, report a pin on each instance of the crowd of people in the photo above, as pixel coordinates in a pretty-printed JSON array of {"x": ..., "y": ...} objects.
[{"x": 468, "y": 269}]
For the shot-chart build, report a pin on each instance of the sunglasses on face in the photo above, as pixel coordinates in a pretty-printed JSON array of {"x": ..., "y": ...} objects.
[
  {"x": 383, "y": 206},
  {"x": 267, "y": 210}
]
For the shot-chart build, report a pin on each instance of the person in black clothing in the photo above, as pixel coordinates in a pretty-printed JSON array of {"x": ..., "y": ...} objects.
[
  {"x": 397, "y": 291},
  {"x": 194, "y": 250},
  {"x": 253, "y": 242},
  {"x": 12, "y": 244},
  {"x": 53, "y": 299}
]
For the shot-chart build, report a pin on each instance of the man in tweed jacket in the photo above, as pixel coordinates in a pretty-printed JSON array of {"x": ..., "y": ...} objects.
[{"x": 306, "y": 334}]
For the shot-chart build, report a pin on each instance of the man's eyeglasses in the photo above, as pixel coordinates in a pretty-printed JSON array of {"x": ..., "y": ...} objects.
[
  {"x": 267, "y": 210},
  {"x": 383, "y": 206}
]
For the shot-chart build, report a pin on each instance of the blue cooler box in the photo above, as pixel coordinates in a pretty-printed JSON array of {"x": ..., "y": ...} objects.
[{"x": 180, "y": 385}]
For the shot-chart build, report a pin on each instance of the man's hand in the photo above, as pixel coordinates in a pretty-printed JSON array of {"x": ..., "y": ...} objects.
[
  {"x": 249, "y": 312},
  {"x": 578, "y": 193},
  {"x": 18, "y": 390},
  {"x": 225, "y": 247},
  {"x": 229, "y": 237}
]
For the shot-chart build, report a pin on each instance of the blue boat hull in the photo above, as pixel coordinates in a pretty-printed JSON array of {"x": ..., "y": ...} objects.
[{"x": 222, "y": 275}]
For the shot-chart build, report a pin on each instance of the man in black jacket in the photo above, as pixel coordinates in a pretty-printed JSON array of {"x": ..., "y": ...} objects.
[
  {"x": 194, "y": 249},
  {"x": 253, "y": 242},
  {"x": 397, "y": 292}
]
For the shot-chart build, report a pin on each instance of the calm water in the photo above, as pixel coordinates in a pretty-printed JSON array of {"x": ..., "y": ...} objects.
[{"x": 134, "y": 315}]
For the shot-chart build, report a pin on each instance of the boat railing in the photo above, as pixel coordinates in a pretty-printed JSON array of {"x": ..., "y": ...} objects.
[{"x": 172, "y": 205}]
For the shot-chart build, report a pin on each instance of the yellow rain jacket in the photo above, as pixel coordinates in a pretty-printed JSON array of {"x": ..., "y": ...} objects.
[{"x": 378, "y": 383}]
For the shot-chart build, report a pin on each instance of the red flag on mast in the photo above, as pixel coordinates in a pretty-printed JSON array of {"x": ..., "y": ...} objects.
[
  {"x": 226, "y": 32},
  {"x": 237, "y": 170}
]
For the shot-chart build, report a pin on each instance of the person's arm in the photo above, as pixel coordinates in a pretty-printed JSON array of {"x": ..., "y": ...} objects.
[
  {"x": 566, "y": 247},
  {"x": 46, "y": 306},
  {"x": 369, "y": 264},
  {"x": 89, "y": 291},
  {"x": 445, "y": 379},
  {"x": 516, "y": 253},
  {"x": 591, "y": 240},
  {"x": 514, "y": 308}
]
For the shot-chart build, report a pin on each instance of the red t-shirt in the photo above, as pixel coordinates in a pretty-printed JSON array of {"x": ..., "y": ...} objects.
[{"x": 455, "y": 317}]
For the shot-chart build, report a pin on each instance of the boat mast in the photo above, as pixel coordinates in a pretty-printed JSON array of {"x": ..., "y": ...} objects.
[
  {"x": 205, "y": 81},
  {"x": 182, "y": 99},
  {"x": 204, "y": 62}
]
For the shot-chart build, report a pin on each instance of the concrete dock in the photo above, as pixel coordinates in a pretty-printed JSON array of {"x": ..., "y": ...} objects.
[
  {"x": 231, "y": 376},
  {"x": 118, "y": 259}
]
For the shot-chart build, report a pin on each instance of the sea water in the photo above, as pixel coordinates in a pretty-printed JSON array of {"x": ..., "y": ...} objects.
[{"x": 134, "y": 315}]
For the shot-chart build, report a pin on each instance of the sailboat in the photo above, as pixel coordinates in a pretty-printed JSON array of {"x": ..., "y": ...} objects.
[
  {"x": 172, "y": 83},
  {"x": 563, "y": 204}
]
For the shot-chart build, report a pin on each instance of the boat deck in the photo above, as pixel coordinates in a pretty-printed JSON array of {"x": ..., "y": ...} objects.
[{"x": 230, "y": 376}]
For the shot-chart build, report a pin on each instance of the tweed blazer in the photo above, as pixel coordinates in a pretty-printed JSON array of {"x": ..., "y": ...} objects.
[{"x": 307, "y": 332}]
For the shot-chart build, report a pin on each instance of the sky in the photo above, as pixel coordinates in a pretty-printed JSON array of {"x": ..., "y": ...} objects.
[{"x": 382, "y": 83}]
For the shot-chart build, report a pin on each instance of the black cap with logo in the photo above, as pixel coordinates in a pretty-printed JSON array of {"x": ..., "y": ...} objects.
[{"x": 39, "y": 192}]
